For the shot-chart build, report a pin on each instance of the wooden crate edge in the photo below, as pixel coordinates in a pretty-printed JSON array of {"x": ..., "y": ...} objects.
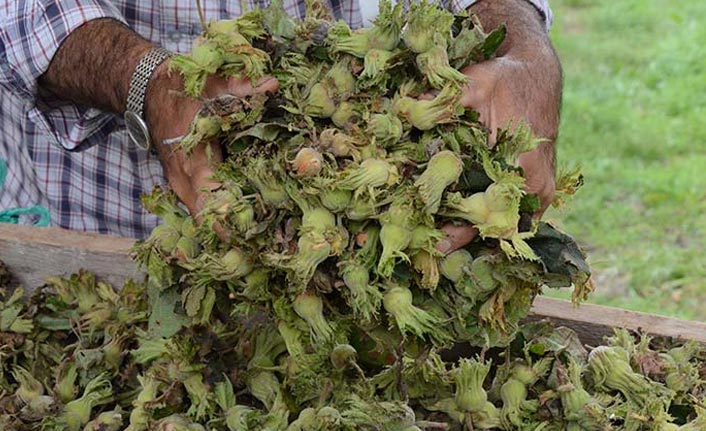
[{"x": 33, "y": 253}]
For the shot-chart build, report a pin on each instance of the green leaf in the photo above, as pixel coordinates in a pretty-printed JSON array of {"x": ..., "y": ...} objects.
[
  {"x": 560, "y": 256},
  {"x": 225, "y": 397},
  {"x": 22, "y": 326},
  {"x": 543, "y": 338},
  {"x": 267, "y": 132},
  {"x": 192, "y": 300},
  {"x": 538, "y": 349},
  {"x": 8, "y": 316},
  {"x": 493, "y": 41},
  {"x": 16, "y": 296},
  {"x": 53, "y": 323},
  {"x": 207, "y": 304},
  {"x": 151, "y": 349},
  {"x": 164, "y": 320},
  {"x": 530, "y": 204}
]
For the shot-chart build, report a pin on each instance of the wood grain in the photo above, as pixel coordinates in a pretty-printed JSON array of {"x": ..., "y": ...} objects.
[
  {"x": 32, "y": 253},
  {"x": 593, "y": 322}
]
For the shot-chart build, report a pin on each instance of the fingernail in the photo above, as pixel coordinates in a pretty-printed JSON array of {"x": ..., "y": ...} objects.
[{"x": 444, "y": 246}]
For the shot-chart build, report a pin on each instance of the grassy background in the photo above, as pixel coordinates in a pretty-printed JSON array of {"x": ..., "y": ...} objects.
[{"x": 634, "y": 119}]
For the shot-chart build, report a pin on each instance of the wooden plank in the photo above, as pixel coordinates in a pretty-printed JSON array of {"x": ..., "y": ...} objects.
[
  {"x": 32, "y": 253},
  {"x": 593, "y": 322}
]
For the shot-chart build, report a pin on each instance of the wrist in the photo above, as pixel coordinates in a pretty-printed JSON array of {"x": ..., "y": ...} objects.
[
  {"x": 526, "y": 31},
  {"x": 168, "y": 113},
  {"x": 160, "y": 97},
  {"x": 135, "y": 110},
  {"x": 133, "y": 57}
]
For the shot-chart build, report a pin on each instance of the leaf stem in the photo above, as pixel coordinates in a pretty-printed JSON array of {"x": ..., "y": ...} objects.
[{"x": 202, "y": 17}]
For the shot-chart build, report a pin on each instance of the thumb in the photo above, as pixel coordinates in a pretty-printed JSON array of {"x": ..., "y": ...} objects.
[
  {"x": 539, "y": 174},
  {"x": 242, "y": 87},
  {"x": 456, "y": 237},
  {"x": 481, "y": 83},
  {"x": 267, "y": 84}
]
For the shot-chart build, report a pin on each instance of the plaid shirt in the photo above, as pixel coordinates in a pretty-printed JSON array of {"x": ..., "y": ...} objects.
[{"x": 77, "y": 161}]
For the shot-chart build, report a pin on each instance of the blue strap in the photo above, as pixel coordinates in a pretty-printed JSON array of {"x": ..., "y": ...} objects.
[{"x": 12, "y": 215}]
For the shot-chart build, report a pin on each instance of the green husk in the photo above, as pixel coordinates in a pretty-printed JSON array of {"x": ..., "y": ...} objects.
[
  {"x": 363, "y": 298},
  {"x": 434, "y": 65},
  {"x": 610, "y": 368},
  {"x": 375, "y": 72},
  {"x": 427, "y": 114},
  {"x": 456, "y": 265},
  {"x": 370, "y": 174},
  {"x": 320, "y": 102},
  {"x": 342, "y": 39},
  {"x": 385, "y": 31},
  {"x": 427, "y": 26},
  {"x": 310, "y": 308},
  {"x": 77, "y": 413},
  {"x": 386, "y": 128},
  {"x": 444, "y": 169},
  {"x": 409, "y": 318},
  {"x": 395, "y": 235},
  {"x": 308, "y": 291},
  {"x": 469, "y": 376},
  {"x": 345, "y": 115}
]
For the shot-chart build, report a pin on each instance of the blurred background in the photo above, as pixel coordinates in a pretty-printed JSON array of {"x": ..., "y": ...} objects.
[{"x": 634, "y": 120}]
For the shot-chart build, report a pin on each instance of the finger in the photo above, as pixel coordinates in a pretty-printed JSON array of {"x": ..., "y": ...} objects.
[
  {"x": 476, "y": 95},
  {"x": 429, "y": 95},
  {"x": 539, "y": 174},
  {"x": 203, "y": 184},
  {"x": 203, "y": 196},
  {"x": 480, "y": 84},
  {"x": 217, "y": 85},
  {"x": 267, "y": 84},
  {"x": 189, "y": 173},
  {"x": 242, "y": 87},
  {"x": 173, "y": 166},
  {"x": 200, "y": 166},
  {"x": 456, "y": 237}
]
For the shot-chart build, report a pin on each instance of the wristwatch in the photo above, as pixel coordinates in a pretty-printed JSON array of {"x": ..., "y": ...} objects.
[{"x": 134, "y": 113}]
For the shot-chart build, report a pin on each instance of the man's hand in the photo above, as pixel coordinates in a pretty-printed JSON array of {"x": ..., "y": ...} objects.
[
  {"x": 169, "y": 114},
  {"x": 93, "y": 67},
  {"x": 522, "y": 85}
]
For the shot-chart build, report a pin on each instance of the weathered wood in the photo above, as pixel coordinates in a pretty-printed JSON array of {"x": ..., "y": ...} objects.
[
  {"x": 33, "y": 253},
  {"x": 593, "y": 322}
]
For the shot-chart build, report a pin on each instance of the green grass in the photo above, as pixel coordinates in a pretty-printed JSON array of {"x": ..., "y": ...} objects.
[{"x": 634, "y": 119}]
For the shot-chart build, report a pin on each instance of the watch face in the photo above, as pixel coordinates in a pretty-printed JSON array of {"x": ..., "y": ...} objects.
[{"x": 137, "y": 130}]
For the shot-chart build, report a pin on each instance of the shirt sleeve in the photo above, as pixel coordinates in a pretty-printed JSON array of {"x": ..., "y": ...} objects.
[
  {"x": 31, "y": 32},
  {"x": 541, "y": 5}
]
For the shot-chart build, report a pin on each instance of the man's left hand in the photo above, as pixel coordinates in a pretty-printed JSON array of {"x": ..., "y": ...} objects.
[{"x": 521, "y": 86}]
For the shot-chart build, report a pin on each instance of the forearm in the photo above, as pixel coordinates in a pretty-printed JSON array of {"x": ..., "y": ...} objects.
[
  {"x": 526, "y": 31},
  {"x": 94, "y": 65}
]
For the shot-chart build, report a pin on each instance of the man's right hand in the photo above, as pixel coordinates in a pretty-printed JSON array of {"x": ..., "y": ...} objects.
[
  {"x": 93, "y": 67},
  {"x": 169, "y": 114}
]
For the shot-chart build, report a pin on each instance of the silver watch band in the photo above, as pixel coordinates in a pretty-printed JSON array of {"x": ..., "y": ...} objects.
[{"x": 141, "y": 78}]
